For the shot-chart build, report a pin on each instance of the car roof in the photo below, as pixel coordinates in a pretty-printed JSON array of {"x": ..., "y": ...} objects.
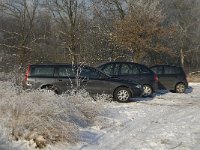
[
  {"x": 165, "y": 66},
  {"x": 41, "y": 64},
  {"x": 113, "y": 62},
  {"x": 57, "y": 64}
]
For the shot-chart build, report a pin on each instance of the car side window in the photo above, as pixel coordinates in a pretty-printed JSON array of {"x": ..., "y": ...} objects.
[
  {"x": 157, "y": 70},
  {"x": 169, "y": 70},
  {"x": 177, "y": 70},
  {"x": 66, "y": 71},
  {"x": 127, "y": 69},
  {"x": 47, "y": 71},
  {"x": 108, "y": 69},
  {"x": 116, "y": 69},
  {"x": 90, "y": 73}
]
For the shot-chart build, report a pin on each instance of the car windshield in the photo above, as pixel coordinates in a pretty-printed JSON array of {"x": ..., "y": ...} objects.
[
  {"x": 92, "y": 71},
  {"x": 103, "y": 73}
]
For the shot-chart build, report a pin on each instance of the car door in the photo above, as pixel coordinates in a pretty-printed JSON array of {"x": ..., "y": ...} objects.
[
  {"x": 94, "y": 81},
  {"x": 169, "y": 77},
  {"x": 65, "y": 77}
]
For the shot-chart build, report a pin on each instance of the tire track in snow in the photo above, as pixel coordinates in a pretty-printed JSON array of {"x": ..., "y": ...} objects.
[
  {"x": 162, "y": 114},
  {"x": 127, "y": 131}
]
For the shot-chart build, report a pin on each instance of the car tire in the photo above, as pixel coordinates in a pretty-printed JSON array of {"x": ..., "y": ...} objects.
[
  {"x": 180, "y": 88},
  {"x": 50, "y": 88},
  {"x": 122, "y": 94},
  {"x": 147, "y": 91}
]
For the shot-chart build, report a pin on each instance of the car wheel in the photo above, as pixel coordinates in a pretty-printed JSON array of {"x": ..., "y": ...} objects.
[
  {"x": 122, "y": 94},
  {"x": 180, "y": 88},
  {"x": 50, "y": 89},
  {"x": 147, "y": 90}
]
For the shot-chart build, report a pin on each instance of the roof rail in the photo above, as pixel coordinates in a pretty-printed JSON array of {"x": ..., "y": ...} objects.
[{"x": 45, "y": 62}]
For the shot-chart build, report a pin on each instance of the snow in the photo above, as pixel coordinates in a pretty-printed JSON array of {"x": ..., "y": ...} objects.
[{"x": 166, "y": 121}]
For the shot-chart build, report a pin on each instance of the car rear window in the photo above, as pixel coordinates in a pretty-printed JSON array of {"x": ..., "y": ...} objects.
[{"x": 47, "y": 71}]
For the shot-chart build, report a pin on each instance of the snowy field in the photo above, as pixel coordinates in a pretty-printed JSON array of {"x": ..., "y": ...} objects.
[{"x": 166, "y": 121}]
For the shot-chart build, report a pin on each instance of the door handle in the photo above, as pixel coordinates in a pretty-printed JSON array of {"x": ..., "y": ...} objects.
[{"x": 60, "y": 80}]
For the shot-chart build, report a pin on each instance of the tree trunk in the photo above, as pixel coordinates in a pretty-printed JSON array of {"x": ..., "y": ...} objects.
[{"x": 181, "y": 57}]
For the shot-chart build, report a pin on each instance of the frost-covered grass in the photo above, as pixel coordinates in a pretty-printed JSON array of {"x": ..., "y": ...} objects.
[
  {"x": 12, "y": 76},
  {"x": 45, "y": 118},
  {"x": 194, "y": 76}
]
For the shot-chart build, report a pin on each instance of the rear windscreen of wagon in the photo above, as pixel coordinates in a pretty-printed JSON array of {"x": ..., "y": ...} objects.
[{"x": 46, "y": 71}]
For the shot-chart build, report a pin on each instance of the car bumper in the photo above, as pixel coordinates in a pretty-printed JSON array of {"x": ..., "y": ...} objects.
[{"x": 155, "y": 87}]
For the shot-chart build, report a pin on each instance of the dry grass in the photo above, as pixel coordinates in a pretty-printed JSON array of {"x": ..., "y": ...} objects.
[
  {"x": 194, "y": 77},
  {"x": 14, "y": 77},
  {"x": 43, "y": 116},
  {"x": 33, "y": 114}
]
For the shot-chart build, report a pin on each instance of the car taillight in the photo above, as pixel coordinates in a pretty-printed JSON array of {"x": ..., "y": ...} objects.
[
  {"x": 156, "y": 77},
  {"x": 27, "y": 73}
]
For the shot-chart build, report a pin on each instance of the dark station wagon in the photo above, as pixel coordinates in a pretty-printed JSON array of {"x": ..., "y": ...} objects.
[{"x": 64, "y": 77}]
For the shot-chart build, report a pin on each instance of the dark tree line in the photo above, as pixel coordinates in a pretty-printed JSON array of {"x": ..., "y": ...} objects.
[{"x": 95, "y": 31}]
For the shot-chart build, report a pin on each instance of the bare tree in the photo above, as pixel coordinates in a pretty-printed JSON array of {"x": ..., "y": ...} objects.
[
  {"x": 23, "y": 13},
  {"x": 94, "y": 31},
  {"x": 65, "y": 13},
  {"x": 185, "y": 14},
  {"x": 188, "y": 20}
]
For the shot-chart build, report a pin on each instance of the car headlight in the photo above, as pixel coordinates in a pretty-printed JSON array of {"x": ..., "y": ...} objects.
[{"x": 138, "y": 86}]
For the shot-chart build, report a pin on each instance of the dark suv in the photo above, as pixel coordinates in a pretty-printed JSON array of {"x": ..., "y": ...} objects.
[
  {"x": 171, "y": 78},
  {"x": 134, "y": 72},
  {"x": 63, "y": 77}
]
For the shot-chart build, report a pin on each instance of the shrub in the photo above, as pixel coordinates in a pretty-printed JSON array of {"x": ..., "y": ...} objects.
[{"x": 44, "y": 117}]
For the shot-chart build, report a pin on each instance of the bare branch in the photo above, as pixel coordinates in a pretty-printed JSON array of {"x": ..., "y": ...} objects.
[{"x": 15, "y": 47}]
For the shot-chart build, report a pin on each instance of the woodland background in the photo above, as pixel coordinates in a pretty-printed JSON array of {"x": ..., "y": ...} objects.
[{"x": 96, "y": 31}]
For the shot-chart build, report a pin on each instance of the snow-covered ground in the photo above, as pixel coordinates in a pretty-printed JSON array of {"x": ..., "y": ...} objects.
[{"x": 166, "y": 121}]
